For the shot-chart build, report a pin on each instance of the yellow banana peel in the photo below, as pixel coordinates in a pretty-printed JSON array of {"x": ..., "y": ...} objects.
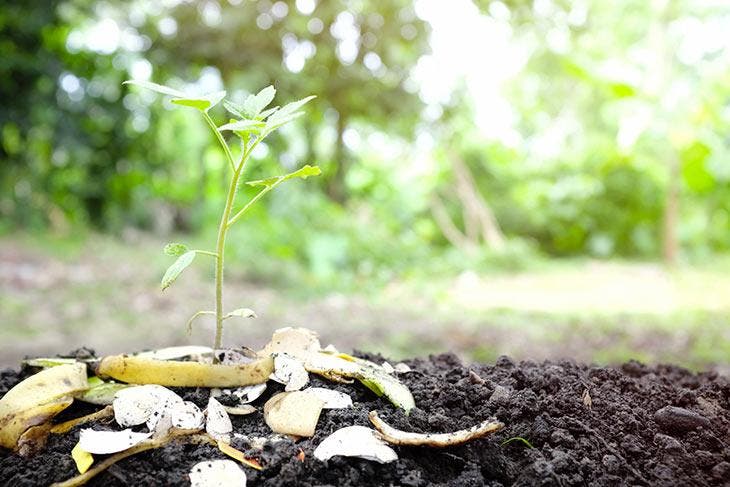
[
  {"x": 39, "y": 398},
  {"x": 173, "y": 373}
]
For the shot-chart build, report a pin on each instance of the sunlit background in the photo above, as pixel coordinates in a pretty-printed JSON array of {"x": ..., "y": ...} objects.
[{"x": 538, "y": 178}]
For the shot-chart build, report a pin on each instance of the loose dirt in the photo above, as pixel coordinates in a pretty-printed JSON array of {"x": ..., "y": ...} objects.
[{"x": 630, "y": 425}]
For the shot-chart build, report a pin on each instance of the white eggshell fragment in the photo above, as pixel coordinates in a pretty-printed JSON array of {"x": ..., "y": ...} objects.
[
  {"x": 332, "y": 399},
  {"x": 355, "y": 441},
  {"x": 249, "y": 394},
  {"x": 289, "y": 371},
  {"x": 187, "y": 416},
  {"x": 217, "y": 473},
  {"x": 105, "y": 442},
  {"x": 135, "y": 405},
  {"x": 293, "y": 413},
  {"x": 217, "y": 423}
]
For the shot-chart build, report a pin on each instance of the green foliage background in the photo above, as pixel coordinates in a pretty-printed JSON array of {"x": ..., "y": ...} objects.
[{"x": 80, "y": 151}]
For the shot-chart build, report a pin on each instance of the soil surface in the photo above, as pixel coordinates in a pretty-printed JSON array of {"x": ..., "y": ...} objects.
[{"x": 631, "y": 425}]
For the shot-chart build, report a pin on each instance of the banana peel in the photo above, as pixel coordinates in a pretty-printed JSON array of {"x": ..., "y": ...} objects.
[
  {"x": 39, "y": 398},
  {"x": 173, "y": 373}
]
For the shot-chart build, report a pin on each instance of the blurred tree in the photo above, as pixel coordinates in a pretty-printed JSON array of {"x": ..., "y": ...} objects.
[{"x": 355, "y": 56}]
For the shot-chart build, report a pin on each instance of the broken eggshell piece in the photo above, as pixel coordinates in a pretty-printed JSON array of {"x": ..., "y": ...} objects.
[
  {"x": 249, "y": 394},
  {"x": 355, "y": 441},
  {"x": 186, "y": 415},
  {"x": 217, "y": 473},
  {"x": 293, "y": 413},
  {"x": 332, "y": 399},
  {"x": 289, "y": 371},
  {"x": 143, "y": 404},
  {"x": 217, "y": 423},
  {"x": 105, "y": 442}
]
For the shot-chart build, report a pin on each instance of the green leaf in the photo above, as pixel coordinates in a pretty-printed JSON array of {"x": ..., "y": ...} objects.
[
  {"x": 176, "y": 268},
  {"x": 275, "y": 123},
  {"x": 234, "y": 108},
  {"x": 302, "y": 173},
  {"x": 242, "y": 126},
  {"x": 204, "y": 103},
  {"x": 164, "y": 90},
  {"x": 266, "y": 113},
  {"x": 289, "y": 109},
  {"x": 175, "y": 249},
  {"x": 255, "y": 103},
  {"x": 100, "y": 392}
]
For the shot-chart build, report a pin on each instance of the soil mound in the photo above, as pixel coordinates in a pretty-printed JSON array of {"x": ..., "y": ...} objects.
[{"x": 570, "y": 424}]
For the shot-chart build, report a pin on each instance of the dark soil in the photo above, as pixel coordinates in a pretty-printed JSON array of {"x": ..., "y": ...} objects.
[{"x": 636, "y": 425}]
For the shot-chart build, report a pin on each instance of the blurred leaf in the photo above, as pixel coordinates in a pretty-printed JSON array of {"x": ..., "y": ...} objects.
[
  {"x": 243, "y": 126},
  {"x": 234, "y": 108},
  {"x": 302, "y": 173},
  {"x": 176, "y": 268},
  {"x": 242, "y": 313},
  {"x": 175, "y": 249},
  {"x": 162, "y": 89},
  {"x": 275, "y": 123},
  {"x": 204, "y": 103},
  {"x": 266, "y": 113}
]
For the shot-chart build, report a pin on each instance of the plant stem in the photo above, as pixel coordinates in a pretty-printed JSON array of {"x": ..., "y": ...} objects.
[
  {"x": 220, "y": 247},
  {"x": 221, "y": 140}
]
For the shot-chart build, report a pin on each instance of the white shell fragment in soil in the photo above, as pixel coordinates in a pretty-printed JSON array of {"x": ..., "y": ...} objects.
[
  {"x": 289, "y": 371},
  {"x": 293, "y": 413},
  {"x": 332, "y": 399},
  {"x": 136, "y": 405},
  {"x": 241, "y": 410},
  {"x": 293, "y": 341},
  {"x": 217, "y": 473},
  {"x": 249, "y": 394},
  {"x": 217, "y": 423},
  {"x": 187, "y": 416},
  {"x": 355, "y": 441},
  {"x": 105, "y": 442}
]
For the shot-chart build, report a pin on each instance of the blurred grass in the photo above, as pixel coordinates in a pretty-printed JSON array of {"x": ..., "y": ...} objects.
[{"x": 99, "y": 291}]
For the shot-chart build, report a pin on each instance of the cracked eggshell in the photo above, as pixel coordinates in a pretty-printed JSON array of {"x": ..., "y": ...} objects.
[
  {"x": 105, "y": 442},
  {"x": 293, "y": 413},
  {"x": 289, "y": 371},
  {"x": 294, "y": 341},
  {"x": 355, "y": 441},
  {"x": 217, "y": 473},
  {"x": 249, "y": 394},
  {"x": 217, "y": 423},
  {"x": 187, "y": 416},
  {"x": 332, "y": 399},
  {"x": 136, "y": 405}
]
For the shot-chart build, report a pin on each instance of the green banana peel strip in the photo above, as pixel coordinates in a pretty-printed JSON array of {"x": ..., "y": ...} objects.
[
  {"x": 39, "y": 398},
  {"x": 172, "y": 373}
]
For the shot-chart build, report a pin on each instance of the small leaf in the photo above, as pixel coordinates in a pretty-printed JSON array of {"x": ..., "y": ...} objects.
[
  {"x": 203, "y": 103},
  {"x": 242, "y": 126},
  {"x": 82, "y": 458},
  {"x": 303, "y": 173},
  {"x": 176, "y": 268},
  {"x": 289, "y": 109},
  {"x": 255, "y": 103},
  {"x": 174, "y": 249},
  {"x": 234, "y": 108},
  {"x": 242, "y": 313},
  {"x": 266, "y": 113},
  {"x": 275, "y": 123},
  {"x": 164, "y": 90}
]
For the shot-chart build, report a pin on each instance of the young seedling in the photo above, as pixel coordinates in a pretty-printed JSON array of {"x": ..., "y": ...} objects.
[{"x": 252, "y": 123}]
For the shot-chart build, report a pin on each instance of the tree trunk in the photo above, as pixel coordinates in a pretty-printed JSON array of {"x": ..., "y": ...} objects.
[
  {"x": 336, "y": 189},
  {"x": 670, "y": 241}
]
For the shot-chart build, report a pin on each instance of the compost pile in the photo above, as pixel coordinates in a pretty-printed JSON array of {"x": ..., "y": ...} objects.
[{"x": 564, "y": 424}]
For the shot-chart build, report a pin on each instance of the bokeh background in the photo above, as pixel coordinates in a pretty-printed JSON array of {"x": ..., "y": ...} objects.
[{"x": 538, "y": 178}]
